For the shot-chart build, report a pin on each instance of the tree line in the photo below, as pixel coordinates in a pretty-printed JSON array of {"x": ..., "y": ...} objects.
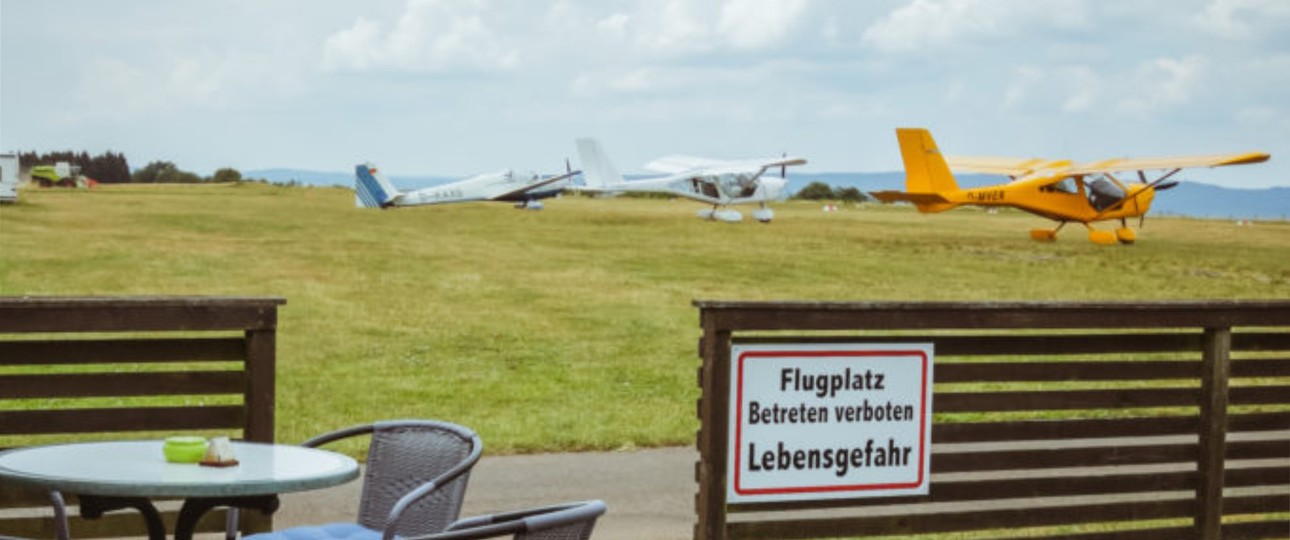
[
  {"x": 819, "y": 191},
  {"x": 112, "y": 168}
]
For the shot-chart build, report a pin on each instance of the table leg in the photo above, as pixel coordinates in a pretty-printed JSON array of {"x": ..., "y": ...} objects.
[
  {"x": 93, "y": 507},
  {"x": 194, "y": 508}
]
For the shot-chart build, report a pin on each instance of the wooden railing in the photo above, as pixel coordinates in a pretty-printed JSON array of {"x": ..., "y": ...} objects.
[
  {"x": 1070, "y": 420},
  {"x": 95, "y": 368}
]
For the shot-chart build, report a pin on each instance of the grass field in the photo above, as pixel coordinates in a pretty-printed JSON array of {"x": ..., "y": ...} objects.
[{"x": 570, "y": 328}]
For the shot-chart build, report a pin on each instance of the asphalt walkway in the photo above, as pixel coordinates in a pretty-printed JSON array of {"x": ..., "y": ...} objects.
[{"x": 650, "y": 493}]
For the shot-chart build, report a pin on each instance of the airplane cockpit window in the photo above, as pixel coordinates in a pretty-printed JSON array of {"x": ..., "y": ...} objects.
[
  {"x": 1103, "y": 193},
  {"x": 1065, "y": 185},
  {"x": 737, "y": 185}
]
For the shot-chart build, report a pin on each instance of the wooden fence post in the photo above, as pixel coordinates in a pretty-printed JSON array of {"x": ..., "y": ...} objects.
[
  {"x": 1216, "y": 367},
  {"x": 715, "y": 399}
]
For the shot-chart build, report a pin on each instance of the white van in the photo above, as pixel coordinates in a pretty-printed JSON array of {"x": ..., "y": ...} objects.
[{"x": 8, "y": 178}]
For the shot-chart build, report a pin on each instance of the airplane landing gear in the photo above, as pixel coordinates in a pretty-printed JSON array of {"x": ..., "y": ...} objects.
[
  {"x": 1101, "y": 238},
  {"x": 1125, "y": 235},
  {"x": 1043, "y": 235}
]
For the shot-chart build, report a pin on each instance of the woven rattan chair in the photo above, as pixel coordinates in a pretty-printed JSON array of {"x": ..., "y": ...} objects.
[
  {"x": 572, "y": 521},
  {"x": 414, "y": 483}
]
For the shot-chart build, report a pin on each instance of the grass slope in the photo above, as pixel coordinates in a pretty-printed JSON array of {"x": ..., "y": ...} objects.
[{"x": 569, "y": 328}]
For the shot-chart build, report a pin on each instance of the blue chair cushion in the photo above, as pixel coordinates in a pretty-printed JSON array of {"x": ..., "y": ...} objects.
[{"x": 330, "y": 531}]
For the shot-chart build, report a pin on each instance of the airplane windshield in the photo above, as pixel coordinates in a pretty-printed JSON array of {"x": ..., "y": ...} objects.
[
  {"x": 1102, "y": 192},
  {"x": 736, "y": 185}
]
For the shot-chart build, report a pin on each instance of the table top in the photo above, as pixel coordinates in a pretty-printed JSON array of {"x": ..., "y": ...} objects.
[{"x": 138, "y": 468}]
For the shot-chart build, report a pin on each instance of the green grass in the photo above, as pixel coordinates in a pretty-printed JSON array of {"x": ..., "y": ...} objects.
[{"x": 570, "y": 328}]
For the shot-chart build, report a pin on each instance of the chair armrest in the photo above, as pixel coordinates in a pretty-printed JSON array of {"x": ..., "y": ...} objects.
[
  {"x": 362, "y": 429},
  {"x": 428, "y": 488}
]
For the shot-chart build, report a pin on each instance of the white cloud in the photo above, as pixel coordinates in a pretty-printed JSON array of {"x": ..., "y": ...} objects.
[
  {"x": 924, "y": 25},
  {"x": 674, "y": 28},
  {"x": 112, "y": 87},
  {"x": 1162, "y": 83},
  {"x": 757, "y": 24},
  {"x": 430, "y": 35},
  {"x": 615, "y": 24},
  {"x": 1243, "y": 19}
]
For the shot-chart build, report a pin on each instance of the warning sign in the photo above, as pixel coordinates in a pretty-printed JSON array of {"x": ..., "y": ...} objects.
[{"x": 829, "y": 421}]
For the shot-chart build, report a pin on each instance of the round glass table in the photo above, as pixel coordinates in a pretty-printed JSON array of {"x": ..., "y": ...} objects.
[{"x": 127, "y": 474}]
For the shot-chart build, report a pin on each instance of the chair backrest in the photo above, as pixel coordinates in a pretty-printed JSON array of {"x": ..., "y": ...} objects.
[
  {"x": 572, "y": 521},
  {"x": 402, "y": 456}
]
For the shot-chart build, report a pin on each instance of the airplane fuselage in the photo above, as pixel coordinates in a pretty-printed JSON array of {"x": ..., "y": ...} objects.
[
  {"x": 481, "y": 187},
  {"x": 1070, "y": 199}
]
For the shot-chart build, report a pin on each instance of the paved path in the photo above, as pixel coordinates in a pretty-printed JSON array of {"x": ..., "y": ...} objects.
[{"x": 650, "y": 493}]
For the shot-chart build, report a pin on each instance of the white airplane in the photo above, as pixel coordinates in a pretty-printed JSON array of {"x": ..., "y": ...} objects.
[
  {"x": 373, "y": 190},
  {"x": 715, "y": 182}
]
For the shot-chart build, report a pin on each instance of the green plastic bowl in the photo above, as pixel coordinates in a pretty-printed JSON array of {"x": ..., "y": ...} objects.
[{"x": 184, "y": 449}]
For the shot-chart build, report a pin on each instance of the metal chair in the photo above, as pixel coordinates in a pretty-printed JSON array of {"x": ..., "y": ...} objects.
[
  {"x": 414, "y": 483},
  {"x": 573, "y": 521}
]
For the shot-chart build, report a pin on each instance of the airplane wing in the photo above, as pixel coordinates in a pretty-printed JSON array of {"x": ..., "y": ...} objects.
[
  {"x": 677, "y": 164},
  {"x": 534, "y": 185},
  {"x": 1007, "y": 166},
  {"x": 1181, "y": 162}
]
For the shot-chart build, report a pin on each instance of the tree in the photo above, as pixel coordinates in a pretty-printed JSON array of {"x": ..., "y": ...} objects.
[
  {"x": 226, "y": 175},
  {"x": 815, "y": 191},
  {"x": 850, "y": 195},
  {"x": 157, "y": 172}
]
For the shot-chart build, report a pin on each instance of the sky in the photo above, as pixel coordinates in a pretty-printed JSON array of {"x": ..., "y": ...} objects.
[{"x": 457, "y": 87}]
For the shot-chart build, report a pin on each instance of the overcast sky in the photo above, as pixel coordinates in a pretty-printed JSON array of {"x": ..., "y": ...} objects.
[{"x": 454, "y": 87}]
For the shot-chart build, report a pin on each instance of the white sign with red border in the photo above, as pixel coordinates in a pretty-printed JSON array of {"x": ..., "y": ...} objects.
[{"x": 829, "y": 421}]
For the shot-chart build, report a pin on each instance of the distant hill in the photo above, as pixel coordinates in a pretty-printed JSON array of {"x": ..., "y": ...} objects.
[{"x": 1188, "y": 199}]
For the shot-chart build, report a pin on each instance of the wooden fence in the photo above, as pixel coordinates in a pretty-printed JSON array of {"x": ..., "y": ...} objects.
[
  {"x": 96, "y": 368},
  {"x": 1052, "y": 420}
]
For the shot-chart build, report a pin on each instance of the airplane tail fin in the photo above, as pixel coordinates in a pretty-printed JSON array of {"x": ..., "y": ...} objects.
[
  {"x": 597, "y": 171},
  {"x": 371, "y": 189},
  {"x": 926, "y": 171}
]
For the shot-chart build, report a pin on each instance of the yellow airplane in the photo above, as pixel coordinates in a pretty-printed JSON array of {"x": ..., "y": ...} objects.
[{"x": 1056, "y": 189}]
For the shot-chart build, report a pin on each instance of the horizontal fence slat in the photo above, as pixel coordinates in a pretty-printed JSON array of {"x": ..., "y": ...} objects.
[
  {"x": 1013, "y": 344},
  {"x": 127, "y": 523},
  {"x": 958, "y": 491},
  {"x": 1259, "y": 530},
  {"x": 1279, "y": 367},
  {"x": 1258, "y": 449},
  {"x": 1030, "y": 430},
  {"x": 1064, "y": 400},
  {"x": 1065, "y": 371},
  {"x": 121, "y": 419},
  {"x": 1260, "y": 341},
  {"x": 1075, "y": 483},
  {"x": 944, "y": 522},
  {"x": 58, "y": 315},
  {"x": 839, "y": 316},
  {"x": 1257, "y": 476},
  {"x": 21, "y": 496},
  {"x": 1049, "y": 458},
  {"x": 122, "y": 384},
  {"x": 1273, "y": 421},
  {"x": 1259, "y": 395},
  {"x": 1256, "y": 504},
  {"x": 106, "y": 351}
]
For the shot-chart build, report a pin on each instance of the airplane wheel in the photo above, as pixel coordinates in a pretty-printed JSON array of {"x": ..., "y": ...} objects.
[
  {"x": 1125, "y": 235},
  {"x": 1102, "y": 238},
  {"x": 1043, "y": 235}
]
